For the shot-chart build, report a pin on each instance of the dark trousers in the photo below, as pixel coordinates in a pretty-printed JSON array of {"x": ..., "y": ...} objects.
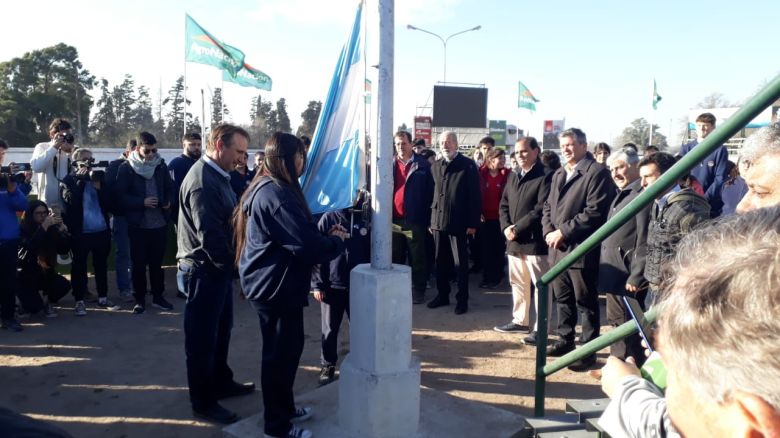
[
  {"x": 32, "y": 281},
  {"x": 617, "y": 315},
  {"x": 99, "y": 244},
  {"x": 208, "y": 320},
  {"x": 147, "y": 248},
  {"x": 333, "y": 308},
  {"x": 576, "y": 290},
  {"x": 493, "y": 246},
  {"x": 282, "y": 331},
  {"x": 409, "y": 239},
  {"x": 451, "y": 256},
  {"x": 8, "y": 278}
]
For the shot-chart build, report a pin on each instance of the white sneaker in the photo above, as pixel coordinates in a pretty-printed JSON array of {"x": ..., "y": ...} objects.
[
  {"x": 80, "y": 309},
  {"x": 294, "y": 432},
  {"x": 301, "y": 414},
  {"x": 104, "y": 303}
]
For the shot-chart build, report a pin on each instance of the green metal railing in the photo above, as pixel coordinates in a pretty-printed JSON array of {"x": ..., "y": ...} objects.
[{"x": 753, "y": 108}]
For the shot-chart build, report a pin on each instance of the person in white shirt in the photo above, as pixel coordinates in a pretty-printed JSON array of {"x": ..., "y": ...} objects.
[{"x": 51, "y": 162}]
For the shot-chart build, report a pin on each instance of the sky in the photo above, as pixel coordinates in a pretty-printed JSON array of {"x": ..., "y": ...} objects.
[{"x": 592, "y": 63}]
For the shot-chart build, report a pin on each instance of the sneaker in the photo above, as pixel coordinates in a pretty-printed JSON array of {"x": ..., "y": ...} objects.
[
  {"x": 530, "y": 339},
  {"x": 80, "y": 309},
  {"x": 327, "y": 374},
  {"x": 91, "y": 298},
  {"x": 126, "y": 296},
  {"x": 139, "y": 309},
  {"x": 294, "y": 432},
  {"x": 105, "y": 303},
  {"x": 11, "y": 324},
  {"x": 161, "y": 303},
  {"x": 511, "y": 328},
  {"x": 301, "y": 414}
]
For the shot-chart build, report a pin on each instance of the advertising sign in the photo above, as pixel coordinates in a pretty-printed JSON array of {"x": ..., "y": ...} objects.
[{"x": 422, "y": 128}]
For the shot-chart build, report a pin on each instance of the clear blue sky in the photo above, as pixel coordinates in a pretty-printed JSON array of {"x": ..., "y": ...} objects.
[{"x": 590, "y": 62}]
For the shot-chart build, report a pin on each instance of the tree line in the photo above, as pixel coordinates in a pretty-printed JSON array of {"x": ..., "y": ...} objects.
[{"x": 52, "y": 82}]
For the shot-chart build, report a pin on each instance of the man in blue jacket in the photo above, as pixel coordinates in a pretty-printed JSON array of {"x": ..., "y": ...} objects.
[
  {"x": 711, "y": 172},
  {"x": 412, "y": 195},
  {"x": 12, "y": 200}
]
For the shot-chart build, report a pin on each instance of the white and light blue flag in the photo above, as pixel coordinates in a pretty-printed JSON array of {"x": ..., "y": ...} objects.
[{"x": 336, "y": 160}]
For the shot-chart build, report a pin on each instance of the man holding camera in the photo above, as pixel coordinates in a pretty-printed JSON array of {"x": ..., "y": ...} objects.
[
  {"x": 51, "y": 161},
  {"x": 11, "y": 201},
  {"x": 86, "y": 217}
]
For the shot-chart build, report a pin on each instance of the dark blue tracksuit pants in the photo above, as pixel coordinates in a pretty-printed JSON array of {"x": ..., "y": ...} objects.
[
  {"x": 208, "y": 320},
  {"x": 333, "y": 307}
]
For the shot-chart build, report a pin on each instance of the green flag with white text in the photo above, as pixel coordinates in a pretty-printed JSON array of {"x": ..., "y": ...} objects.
[
  {"x": 249, "y": 77},
  {"x": 524, "y": 97},
  {"x": 656, "y": 96},
  {"x": 203, "y": 48}
]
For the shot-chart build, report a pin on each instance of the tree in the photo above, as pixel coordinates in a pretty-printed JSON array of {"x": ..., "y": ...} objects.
[
  {"x": 123, "y": 97},
  {"x": 714, "y": 100},
  {"x": 104, "y": 125},
  {"x": 309, "y": 118},
  {"x": 218, "y": 108},
  {"x": 282, "y": 119},
  {"x": 40, "y": 86},
  {"x": 140, "y": 117},
  {"x": 174, "y": 118},
  {"x": 638, "y": 134},
  {"x": 403, "y": 128},
  {"x": 263, "y": 118}
]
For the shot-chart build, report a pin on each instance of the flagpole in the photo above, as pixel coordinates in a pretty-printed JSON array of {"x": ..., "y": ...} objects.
[
  {"x": 222, "y": 99},
  {"x": 184, "y": 91},
  {"x": 202, "y": 114}
]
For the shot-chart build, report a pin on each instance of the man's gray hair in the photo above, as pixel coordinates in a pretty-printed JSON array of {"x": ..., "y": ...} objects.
[
  {"x": 719, "y": 317},
  {"x": 450, "y": 134},
  {"x": 577, "y": 134},
  {"x": 627, "y": 155},
  {"x": 765, "y": 141},
  {"x": 79, "y": 153}
]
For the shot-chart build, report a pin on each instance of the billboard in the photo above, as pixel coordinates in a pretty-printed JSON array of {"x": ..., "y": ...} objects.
[
  {"x": 459, "y": 107},
  {"x": 423, "y": 129},
  {"x": 498, "y": 131}
]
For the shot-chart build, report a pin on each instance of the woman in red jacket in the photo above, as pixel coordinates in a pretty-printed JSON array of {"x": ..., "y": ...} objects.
[{"x": 493, "y": 245}]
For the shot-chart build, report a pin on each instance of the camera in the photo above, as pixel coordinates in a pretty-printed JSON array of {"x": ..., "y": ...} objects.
[
  {"x": 6, "y": 175},
  {"x": 96, "y": 169},
  {"x": 67, "y": 137}
]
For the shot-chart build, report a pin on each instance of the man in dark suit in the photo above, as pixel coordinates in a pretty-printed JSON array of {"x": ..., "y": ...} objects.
[
  {"x": 623, "y": 253},
  {"x": 455, "y": 213},
  {"x": 579, "y": 200},
  {"x": 520, "y": 213}
]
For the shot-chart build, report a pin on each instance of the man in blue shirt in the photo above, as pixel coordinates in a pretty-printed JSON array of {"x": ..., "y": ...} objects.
[
  {"x": 711, "y": 172},
  {"x": 11, "y": 201},
  {"x": 179, "y": 166}
]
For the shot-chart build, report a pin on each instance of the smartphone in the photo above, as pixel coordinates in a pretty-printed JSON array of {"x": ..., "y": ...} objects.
[{"x": 638, "y": 315}]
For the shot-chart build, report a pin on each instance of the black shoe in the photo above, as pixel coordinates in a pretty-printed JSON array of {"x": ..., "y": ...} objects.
[
  {"x": 180, "y": 294},
  {"x": 461, "y": 308},
  {"x": 438, "y": 302},
  {"x": 327, "y": 375},
  {"x": 530, "y": 339},
  {"x": 583, "y": 364},
  {"x": 511, "y": 328},
  {"x": 559, "y": 348},
  {"x": 161, "y": 303},
  {"x": 216, "y": 414},
  {"x": 487, "y": 285},
  {"x": 235, "y": 389}
]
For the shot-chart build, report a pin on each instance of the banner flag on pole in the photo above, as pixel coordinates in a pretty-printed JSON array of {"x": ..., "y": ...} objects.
[
  {"x": 249, "y": 77},
  {"x": 656, "y": 96},
  {"x": 524, "y": 97},
  {"x": 336, "y": 161},
  {"x": 203, "y": 48}
]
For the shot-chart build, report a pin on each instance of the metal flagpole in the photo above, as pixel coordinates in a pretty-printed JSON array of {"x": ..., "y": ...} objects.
[
  {"x": 202, "y": 114},
  {"x": 184, "y": 91}
]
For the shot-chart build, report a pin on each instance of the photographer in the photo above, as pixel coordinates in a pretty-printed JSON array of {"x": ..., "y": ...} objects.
[
  {"x": 11, "y": 201},
  {"x": 145, "y": 191},
  {"x": 43, "y": 237},
  {"x": 86, "y": 216},
  {"x": 14, "y": 171},
  {"x": 51, "y": 161}
]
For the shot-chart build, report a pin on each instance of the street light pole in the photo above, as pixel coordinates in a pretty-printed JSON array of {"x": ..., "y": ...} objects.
[{"x": 443, "y": 42}]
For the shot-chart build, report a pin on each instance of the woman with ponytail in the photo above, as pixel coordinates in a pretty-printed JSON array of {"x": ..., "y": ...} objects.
[{"x": 277, "y": 244}]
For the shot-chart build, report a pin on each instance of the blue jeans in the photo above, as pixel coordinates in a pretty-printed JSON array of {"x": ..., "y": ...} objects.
[{"x": 122, "y": 262}]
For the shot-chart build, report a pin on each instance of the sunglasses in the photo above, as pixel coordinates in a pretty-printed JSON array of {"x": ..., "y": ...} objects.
[{"x": 148, "y": 151}]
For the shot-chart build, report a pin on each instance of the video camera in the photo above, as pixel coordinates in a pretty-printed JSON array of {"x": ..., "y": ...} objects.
[
  {"x": 96, "y": 169},
  {"x": 7, "y": 175}
]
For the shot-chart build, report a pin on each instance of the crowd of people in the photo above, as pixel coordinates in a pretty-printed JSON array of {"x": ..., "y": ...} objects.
[{"x": 448, "y": 211}]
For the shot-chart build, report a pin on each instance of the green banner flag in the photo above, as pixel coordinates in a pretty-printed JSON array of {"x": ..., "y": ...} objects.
[
  {"x": 249, "y": 77},
  {"x": 524, "y": 97},
  {"x": 203, "y": 48},
  {"x": 656, "y": 96}
]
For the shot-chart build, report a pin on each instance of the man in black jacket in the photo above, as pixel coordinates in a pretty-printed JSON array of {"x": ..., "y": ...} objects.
[
  {"x": 412, "y": 195},
  {"x": 455, "y": 213},
  {"x": 520, "y": 213},
  {"x": 85, "y": 213},
  {"x": 579, "y": 200},
  {"x": 623, "y": 253},
  {"x": 206, "y": 255}
]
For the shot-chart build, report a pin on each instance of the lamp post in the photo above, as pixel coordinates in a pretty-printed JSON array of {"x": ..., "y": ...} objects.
[{"x": 443, "y": 41}]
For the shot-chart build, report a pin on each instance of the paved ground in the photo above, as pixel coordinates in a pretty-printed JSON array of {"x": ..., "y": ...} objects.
[{"x": 115, "y": 374}]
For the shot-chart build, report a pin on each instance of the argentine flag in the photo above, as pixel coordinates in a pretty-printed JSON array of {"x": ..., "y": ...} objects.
[{"x": 336, "y": 161}]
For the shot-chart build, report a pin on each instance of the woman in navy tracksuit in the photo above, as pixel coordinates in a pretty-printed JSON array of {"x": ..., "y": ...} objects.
[{"x": 277, "y": 244}]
